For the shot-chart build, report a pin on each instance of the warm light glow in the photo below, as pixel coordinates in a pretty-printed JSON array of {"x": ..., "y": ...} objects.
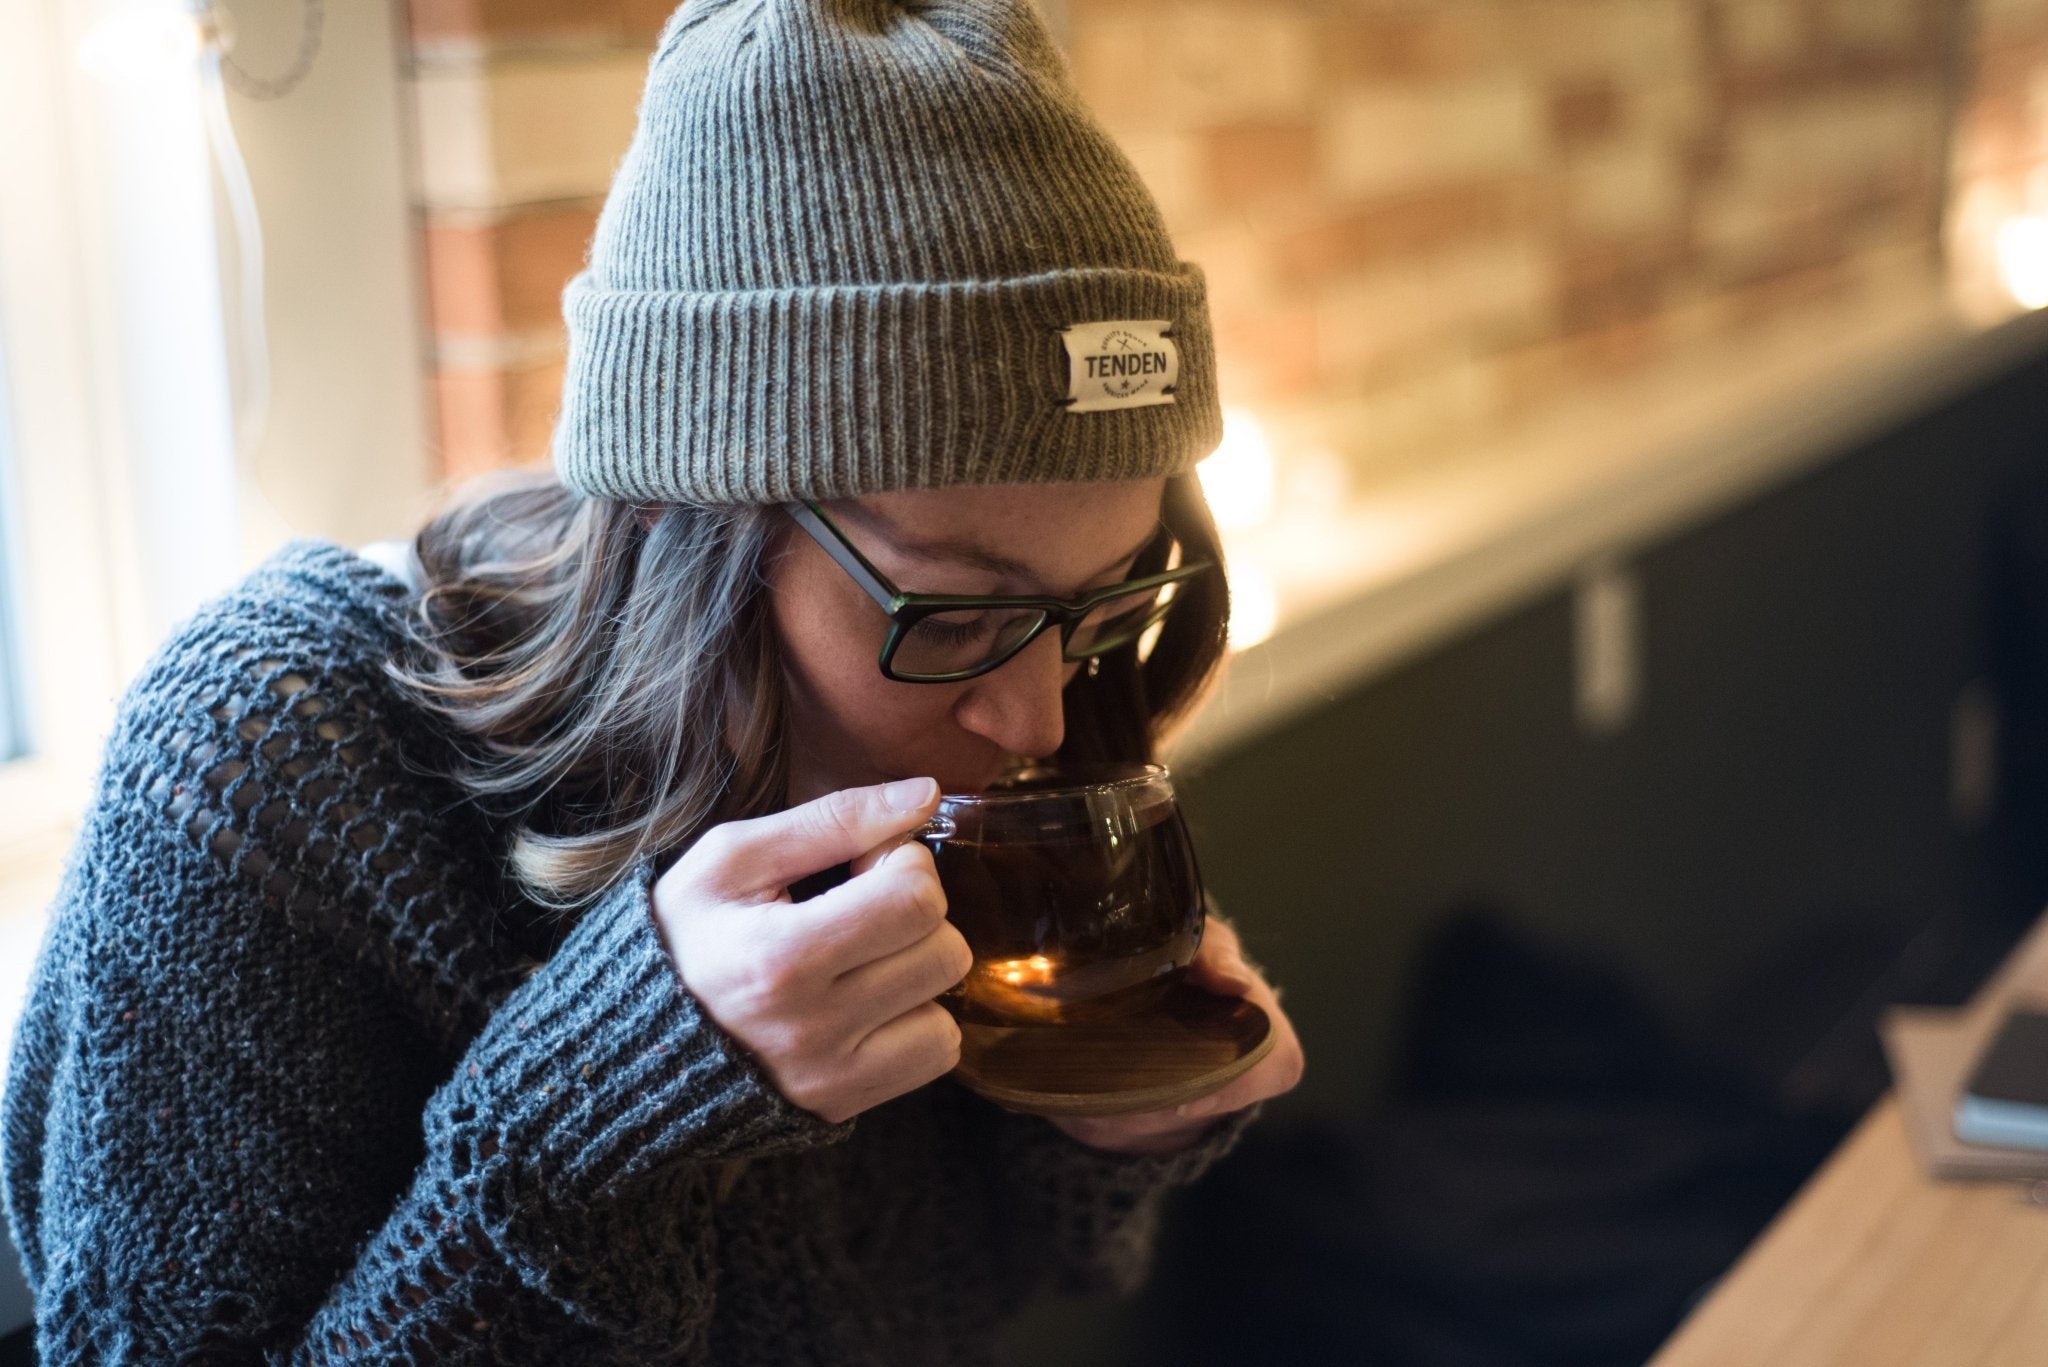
[
  {"x": 2023, "y": 260},
  {"x": 1150, "y": 639},
  {"x": 140, "y": 41},
  {"x": 1317, "y": 487},
  {"x": 1254, "y": 604},
  {"x": 1237, "y": 478},
  {"x": 1037, "y": 970}
]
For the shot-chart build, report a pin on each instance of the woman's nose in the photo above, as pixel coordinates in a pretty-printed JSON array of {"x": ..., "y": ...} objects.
[{"x": 1019, "y": 704}]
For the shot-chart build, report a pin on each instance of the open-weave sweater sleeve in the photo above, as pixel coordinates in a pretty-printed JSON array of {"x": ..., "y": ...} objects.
[
  {"x": 576, "y": 1149},
  {"x": 278, "y": 1117},
  {"x": 301, "y": 1079}
]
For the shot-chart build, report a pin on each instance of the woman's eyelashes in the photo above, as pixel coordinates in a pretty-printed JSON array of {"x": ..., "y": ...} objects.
[{"x": 953, "y": 630}]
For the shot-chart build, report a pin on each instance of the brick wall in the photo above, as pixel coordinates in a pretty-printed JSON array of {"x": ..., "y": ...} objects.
[
  {"x": 1423, "y": 219},
  {"x": 523, "y": 107},
  {"x": 1419, "y": 219}
]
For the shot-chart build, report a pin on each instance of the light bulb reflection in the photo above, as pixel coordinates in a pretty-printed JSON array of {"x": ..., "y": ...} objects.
[
  {"x": 1036, "y": 971},
  {"x": 2023, "y": 260},
  {"x": 1237, "y": 478},
  {"x": 1254, "y": 604}
]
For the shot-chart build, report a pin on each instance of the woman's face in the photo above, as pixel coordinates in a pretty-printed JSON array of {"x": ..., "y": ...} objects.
[{"x": 849, "y": 725}]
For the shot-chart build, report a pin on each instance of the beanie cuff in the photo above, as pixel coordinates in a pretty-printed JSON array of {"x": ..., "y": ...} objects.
[{"x": 759, "y": 396}]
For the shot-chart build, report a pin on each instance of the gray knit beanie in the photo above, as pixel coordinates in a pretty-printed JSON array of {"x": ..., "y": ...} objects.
[{"x": 859, "y": 246}]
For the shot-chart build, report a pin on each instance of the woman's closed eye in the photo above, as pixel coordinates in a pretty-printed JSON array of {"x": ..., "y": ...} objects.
[
  {"x": 955, "y": 640},
  {"x": 955, "y": 628}
]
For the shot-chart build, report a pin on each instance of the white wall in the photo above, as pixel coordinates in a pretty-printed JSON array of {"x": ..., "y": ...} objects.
[{"x": 345, "y": 454}]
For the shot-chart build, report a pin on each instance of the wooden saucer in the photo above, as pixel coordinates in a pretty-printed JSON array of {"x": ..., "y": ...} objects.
[{"x": 1188, "y": 1045}]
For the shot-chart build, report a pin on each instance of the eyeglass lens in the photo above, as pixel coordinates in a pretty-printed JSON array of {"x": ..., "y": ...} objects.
[{"x": 950, "y": 643}]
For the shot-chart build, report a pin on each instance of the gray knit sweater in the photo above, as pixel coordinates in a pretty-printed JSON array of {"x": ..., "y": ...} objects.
[{"x": 302, "y": 1078}]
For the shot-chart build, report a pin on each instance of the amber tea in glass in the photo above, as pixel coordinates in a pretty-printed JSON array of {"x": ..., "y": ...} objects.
[{"x": 1077, "y": 891}]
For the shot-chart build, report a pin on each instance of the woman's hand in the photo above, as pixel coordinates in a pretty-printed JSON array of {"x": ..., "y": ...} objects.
[
  {"x": 833, "y": 996},
  {"x": 1220, "y": 967}
]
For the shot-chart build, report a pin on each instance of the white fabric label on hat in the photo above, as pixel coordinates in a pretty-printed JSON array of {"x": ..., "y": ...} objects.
[{"x": 1122, "y": 363}]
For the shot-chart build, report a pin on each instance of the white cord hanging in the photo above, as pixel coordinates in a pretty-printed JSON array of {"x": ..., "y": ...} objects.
[
  {"x": 218, "y": 70},
  {"x": 252, "y": 409}
]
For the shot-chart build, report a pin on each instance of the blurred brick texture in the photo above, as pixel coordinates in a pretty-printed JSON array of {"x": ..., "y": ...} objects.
[{"x": 1419, "y": 219}]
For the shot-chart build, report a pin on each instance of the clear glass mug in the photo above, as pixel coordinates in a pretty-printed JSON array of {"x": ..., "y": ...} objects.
[{"x": 1076, "y": 889}]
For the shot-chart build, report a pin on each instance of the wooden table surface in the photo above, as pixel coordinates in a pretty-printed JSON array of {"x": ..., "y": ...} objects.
[{"x": 1875, "y": 1264}]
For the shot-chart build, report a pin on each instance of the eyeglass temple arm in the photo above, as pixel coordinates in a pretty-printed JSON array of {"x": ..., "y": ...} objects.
[
  {"x": 827, "y": 534},
  {"x": 1151, "y": 581}
]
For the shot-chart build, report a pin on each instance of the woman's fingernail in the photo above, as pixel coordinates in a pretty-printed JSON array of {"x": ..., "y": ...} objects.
[{"x": 910, "y": 794}]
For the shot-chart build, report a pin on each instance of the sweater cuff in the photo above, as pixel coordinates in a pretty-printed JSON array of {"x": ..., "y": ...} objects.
[{"x": 602, "y": 1065}]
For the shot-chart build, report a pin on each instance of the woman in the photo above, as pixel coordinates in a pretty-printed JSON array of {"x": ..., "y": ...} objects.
[{"x": 518, "y": 958}]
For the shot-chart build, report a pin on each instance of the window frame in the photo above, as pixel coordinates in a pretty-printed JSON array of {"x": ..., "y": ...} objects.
[{"x": 76, "y": 577}]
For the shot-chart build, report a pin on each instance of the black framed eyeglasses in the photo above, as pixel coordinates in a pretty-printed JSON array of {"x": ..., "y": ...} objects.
[{"x": 948, "y": 637}]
